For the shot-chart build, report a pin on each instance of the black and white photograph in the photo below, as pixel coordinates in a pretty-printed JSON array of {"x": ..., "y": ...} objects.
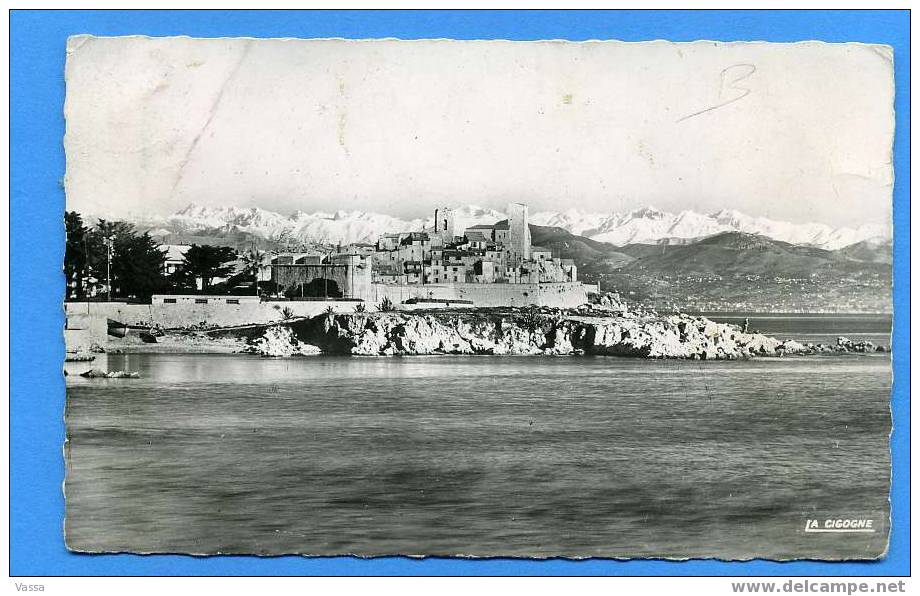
[{"x": 532, "y": 299}]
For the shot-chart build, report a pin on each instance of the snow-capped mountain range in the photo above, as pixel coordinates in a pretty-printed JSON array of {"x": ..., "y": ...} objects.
[
  {"x": 649, "y": 226},
  {"x": 646, "y": 226}
]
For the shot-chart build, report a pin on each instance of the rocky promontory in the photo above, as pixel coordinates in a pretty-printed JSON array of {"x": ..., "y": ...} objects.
[{"x": 536, "y": 332}]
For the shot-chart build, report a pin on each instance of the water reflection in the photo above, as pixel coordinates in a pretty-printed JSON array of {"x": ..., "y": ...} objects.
[{"x": 516, "y": 456}]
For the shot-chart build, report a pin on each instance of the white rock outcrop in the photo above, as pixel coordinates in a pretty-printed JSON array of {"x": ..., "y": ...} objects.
[
  {"x": 279, "y": 341},
  {"x": 547, "y": 332}
]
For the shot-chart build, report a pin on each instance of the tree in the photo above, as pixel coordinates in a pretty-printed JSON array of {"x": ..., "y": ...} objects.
[
  {"x": 138, "y": 265},
  {"x": 386, "y": 305},
  {"x": 205, "y": 262},
  {"x": 181, "y": 281},
  {"x": 105, "y": 243},
  {"x": 111, "y": 254},
  {"x": 76, "y": 257},
  {"x": 254, "y": 261}
]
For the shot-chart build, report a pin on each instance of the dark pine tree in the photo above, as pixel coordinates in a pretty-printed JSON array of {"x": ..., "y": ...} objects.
[
  {"x": 205, "y": 262},
  {"x": 76, "y": 257},
  {"x": 138, "y": 264},
  {"x": 116, "y": 234}
]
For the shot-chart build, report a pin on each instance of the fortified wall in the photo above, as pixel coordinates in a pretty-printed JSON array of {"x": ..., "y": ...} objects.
[
  {"x": 352, "y": 278},
  {"x": 558, "y": 295}
]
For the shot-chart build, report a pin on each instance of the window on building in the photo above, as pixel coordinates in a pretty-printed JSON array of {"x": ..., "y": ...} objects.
[
  {"x": 169, "y": 300},
  {"x": 201, "y": 300}
]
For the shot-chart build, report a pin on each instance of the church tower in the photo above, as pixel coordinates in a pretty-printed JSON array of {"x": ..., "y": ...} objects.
[
  {"x": 444, "y": 224},
  {"x": 518, "y": 233}
]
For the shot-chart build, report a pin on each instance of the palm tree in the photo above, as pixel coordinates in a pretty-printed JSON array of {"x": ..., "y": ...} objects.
[{"x": 254, "y": 260}]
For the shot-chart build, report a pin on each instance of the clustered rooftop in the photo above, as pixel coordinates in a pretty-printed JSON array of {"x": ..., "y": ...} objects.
[{"x": 484, "y": 253}]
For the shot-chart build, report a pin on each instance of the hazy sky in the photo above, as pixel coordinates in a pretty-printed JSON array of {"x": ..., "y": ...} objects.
[{"x": 795, "y": 132}]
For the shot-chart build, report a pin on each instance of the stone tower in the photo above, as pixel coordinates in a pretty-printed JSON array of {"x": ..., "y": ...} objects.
[
  {"x": 444, "y": 223},
  {"x": 518, "y": 233}
]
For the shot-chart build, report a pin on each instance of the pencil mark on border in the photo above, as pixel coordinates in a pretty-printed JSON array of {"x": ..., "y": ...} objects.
[{"x": 745, "y": 71}]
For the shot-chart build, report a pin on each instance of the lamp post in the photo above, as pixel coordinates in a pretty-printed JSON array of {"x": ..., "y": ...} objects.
[{"x": 109, "y": 241}]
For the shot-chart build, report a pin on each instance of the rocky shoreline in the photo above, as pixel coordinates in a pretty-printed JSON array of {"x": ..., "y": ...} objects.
[{"x": 548, "y": 332}]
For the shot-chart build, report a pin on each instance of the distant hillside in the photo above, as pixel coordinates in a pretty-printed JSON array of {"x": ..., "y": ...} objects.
[
  {"x": 733, "y": 271},
  {"x": 728, "y": 253},
  {"x": 591, "y": 256},
  {"x": 739, "y": 271},
  {"x": 737, "y": 253},
  {"x": 869, "y": 251}
]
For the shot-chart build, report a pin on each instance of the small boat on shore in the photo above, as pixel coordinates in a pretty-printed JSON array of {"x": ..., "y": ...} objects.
[
  {"x": 79, "y": 357},
  {"x": 116, "y": 328},
  {"x": 147, "y": 337}
]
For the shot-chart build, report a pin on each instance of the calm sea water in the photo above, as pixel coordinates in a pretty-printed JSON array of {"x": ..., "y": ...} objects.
[
  {"x": 815, "y": 328},
  {"x": 517, "y": 456}
]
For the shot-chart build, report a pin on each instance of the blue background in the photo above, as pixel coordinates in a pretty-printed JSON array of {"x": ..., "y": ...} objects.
[{"x": 37, "y": 42}]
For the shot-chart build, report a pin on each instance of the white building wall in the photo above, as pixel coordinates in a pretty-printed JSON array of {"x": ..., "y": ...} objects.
[{"x": 559, "y": 295}]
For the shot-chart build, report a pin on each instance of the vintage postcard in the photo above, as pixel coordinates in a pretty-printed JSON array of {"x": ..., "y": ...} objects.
[{"x": 478, "y": 298}]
